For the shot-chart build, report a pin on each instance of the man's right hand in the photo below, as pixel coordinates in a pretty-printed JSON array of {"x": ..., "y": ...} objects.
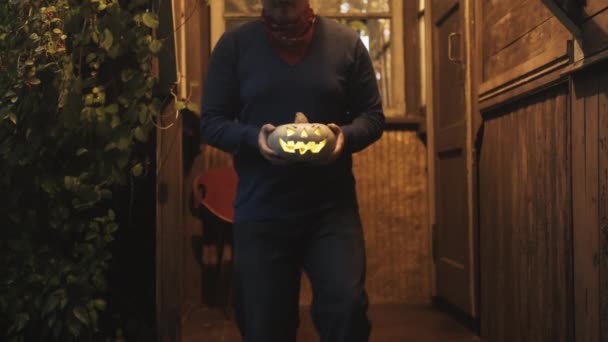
[{"x": 265, "y": 150}]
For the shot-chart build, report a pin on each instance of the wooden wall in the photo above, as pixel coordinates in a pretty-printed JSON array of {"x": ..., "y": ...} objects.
[
  {"x": 524, "y": 173},
  {"x": 590, "y": 196},
  {"x": 525, "y": 221},
  {"x": 518, "y": 38},
  {"x": 595, "y": 26},
  {"x": 391, "y": 185},
  {"x": 542, "y": 202}
]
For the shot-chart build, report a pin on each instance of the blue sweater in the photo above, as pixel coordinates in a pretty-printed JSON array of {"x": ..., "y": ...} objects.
[{"x": 249, "y": 85}]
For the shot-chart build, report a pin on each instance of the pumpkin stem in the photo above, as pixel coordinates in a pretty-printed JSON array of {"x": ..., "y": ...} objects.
[{"x": 301, "y": 118}]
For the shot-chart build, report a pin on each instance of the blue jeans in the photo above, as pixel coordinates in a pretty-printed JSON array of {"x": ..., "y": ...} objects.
[{"x": 269, "y": 257}]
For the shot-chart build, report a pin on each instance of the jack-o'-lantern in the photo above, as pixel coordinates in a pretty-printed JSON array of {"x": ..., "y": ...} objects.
[{"x": 302, "y": 141}]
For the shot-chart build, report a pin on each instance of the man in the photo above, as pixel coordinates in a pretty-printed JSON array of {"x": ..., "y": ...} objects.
[{"x": 291, "y": 217}]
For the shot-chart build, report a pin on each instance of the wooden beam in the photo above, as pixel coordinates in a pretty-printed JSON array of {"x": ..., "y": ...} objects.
[
  {"x": 585, "y": 207},
  {"x": 564, "y": 17},
  {"x": 169, "y": 224},
  {"x": 524, "y": 89}
]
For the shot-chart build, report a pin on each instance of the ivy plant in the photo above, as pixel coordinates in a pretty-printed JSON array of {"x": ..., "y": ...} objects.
[{"x": 76, "y": 96}]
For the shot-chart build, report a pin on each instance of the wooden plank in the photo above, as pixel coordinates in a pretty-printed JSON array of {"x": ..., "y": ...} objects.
[
  {"x": 513, "y": 25},
  {"x": 585, "y": 215},
  {"x": 591, "y": 193},
  {"x": 595, "y": 36},
  {"x": 412, "y": 45},
  {"x": 441, "y": 8},
  {"x": 169, "y": 232},
  {"x": 593, "y": 7},
  {"x": 536, "y": 67},
  {"x": 548, "y": 40},
  {"x": 194, "y": 162},
  {"x": 494, "y": 10},
  {"x": 603, "y": 203},
  {"x": 585, "y": 63},
  {"x": 525, "y": 221},
  {"x": 486, "y": 236},
  {"x": 521, "y": 90}
]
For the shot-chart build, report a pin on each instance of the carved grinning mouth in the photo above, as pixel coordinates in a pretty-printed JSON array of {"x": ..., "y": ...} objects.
[{"x": 300, "y": 146}]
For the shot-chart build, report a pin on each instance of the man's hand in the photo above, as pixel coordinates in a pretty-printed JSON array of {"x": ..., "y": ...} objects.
[
  {"x": 339, "y": 149},
  {"x": 265, "y": 150}
]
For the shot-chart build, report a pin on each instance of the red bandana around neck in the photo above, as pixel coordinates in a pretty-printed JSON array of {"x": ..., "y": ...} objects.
[{"x": 291, "y": 40}]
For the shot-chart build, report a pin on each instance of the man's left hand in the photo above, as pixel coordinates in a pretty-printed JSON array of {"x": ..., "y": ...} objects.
[{"x": 339, "y": 149}]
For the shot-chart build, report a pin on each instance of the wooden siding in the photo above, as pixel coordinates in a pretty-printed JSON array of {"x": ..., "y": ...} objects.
[
  {"x": 518, "y": 37},
  {"x": 595, "y": 31},
  {"x": 590, "y": 196},
  {"x": 169, "y": 221},
  {"x": 525, "y": 221}
]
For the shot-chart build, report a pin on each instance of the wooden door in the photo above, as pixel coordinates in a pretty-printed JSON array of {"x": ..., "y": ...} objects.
[{"x": 451, "y": 235}]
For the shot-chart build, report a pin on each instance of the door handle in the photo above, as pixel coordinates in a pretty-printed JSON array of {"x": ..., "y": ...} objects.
[{"x": 451, "y": 47}]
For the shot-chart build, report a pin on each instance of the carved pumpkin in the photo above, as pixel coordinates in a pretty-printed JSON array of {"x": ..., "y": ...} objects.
[{"x": 302, "y": 141}]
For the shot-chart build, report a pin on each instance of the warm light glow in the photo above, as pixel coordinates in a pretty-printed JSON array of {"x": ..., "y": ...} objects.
[
  {"x": 317, "y": 132},
  {"x": 290, "y": 132},
  {"x": 292, "y": 146}
]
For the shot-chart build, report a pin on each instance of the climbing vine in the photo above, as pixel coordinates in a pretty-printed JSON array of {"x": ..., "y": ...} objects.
[{"x": 76, "y": 97}]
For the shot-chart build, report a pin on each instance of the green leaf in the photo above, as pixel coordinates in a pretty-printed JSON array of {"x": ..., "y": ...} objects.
[
  {"x": 100, "y": 304},
  {"x": 90, "y": 236},
  {"x": 111, "y": 228},
  {"x": 137, "y": 170},
  {"x": 124, "y": 143},
  {"x": 112, "y": 109},
  {"x": 21, "y": 321},
  {"x": 108, "y": 40},
  {"x": 51, "y": 320},
  {"x": 34, "y": 81},
  {"x": 111, "y": 214},
  {"x": 81, "y": 314},
  {"x": 140, "y": 134},
  {"x": 81, "y": 151},
  {"x": 155, "y": 46},
  {"x": 105, "y": 194},
  {"x": 115, "y": 122},
  {"x": 13, "y": 118},
  {"x": 74, "y": 328},
  {"x": 52, "y": 302},
  {"x": 150, "y": 20},
  {"x": 179, "y": 105},
  {"x": 90, "y": 57},
  {"x": 143, "y": 115}
]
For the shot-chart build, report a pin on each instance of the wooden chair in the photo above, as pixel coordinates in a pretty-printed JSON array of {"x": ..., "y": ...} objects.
[{"x": 214, "y": 193}]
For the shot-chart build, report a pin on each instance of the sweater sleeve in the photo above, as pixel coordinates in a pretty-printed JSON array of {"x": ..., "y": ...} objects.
[
  {"x": 365, "y": 103},
  {"x": 220, "y": 101}
]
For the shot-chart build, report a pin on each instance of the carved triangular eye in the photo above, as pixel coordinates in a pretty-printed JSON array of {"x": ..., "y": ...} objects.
[
  {"x": 304, "y": 134},
  {"x": 317, "y": 132},
  {"x": 289, "y": 132}
]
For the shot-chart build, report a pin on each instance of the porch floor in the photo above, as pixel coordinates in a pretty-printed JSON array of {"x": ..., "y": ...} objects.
[{"x": 391, "y": 323}]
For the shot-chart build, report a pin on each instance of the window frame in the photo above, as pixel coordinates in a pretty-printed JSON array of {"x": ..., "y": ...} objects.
[{"x": 395, "y": 112}]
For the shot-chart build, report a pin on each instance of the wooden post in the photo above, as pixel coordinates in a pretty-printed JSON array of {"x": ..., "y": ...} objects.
[{"x": 169, "y": 229}]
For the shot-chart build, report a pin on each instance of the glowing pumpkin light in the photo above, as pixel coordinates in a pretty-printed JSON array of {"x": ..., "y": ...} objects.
[{"x": 302, "y": 141}]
